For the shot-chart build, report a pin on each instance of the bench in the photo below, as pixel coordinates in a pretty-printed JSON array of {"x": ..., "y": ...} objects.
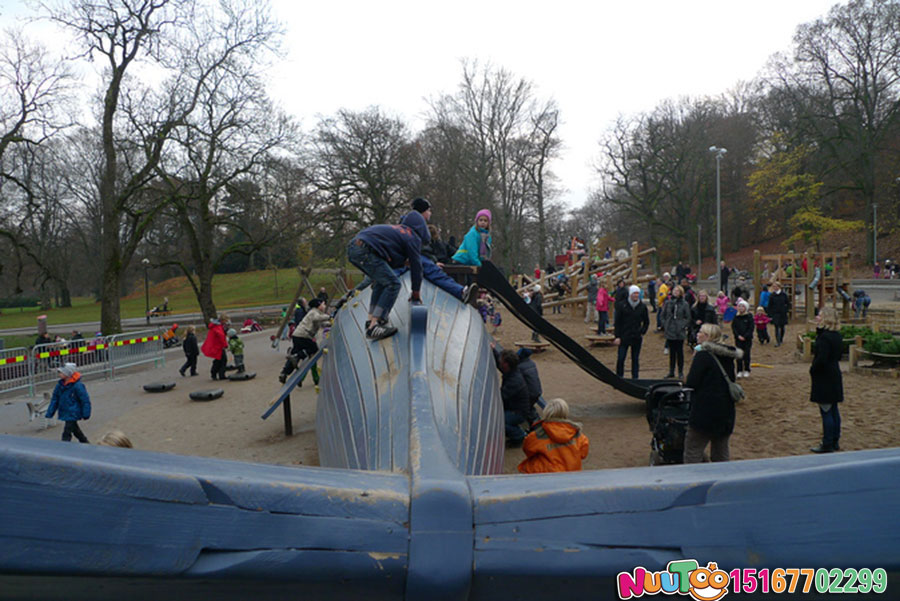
[
  {"x": 597, "y": 339},
  {"x": 536, "y": 347}
]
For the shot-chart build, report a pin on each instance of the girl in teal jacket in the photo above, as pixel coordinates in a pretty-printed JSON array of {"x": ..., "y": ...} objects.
[{"x": 476, "y": 246}]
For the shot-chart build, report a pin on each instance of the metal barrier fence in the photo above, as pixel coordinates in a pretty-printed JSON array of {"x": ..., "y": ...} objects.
[
  {"x": 24, "y": 369},
  {"x": 15, "y": 369},
  {"x": 136, "y": 348}
]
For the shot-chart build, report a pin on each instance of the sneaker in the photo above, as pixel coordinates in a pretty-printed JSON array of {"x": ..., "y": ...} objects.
[
  {"x": 282, "y": 378},
  {"x": 746, "y": 374},
  {"x": 317, "y": 389},
  {"x": 469, "y": 294},
  {"x": 739, "y": 374},
  {"x": 665, "y": 350},
  {"x": 379, "y": 331}
]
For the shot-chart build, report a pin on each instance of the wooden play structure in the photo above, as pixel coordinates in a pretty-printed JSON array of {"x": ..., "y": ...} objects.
[
  {"x": 819, "y": 277},
  {"x": 579, "y": 273}
]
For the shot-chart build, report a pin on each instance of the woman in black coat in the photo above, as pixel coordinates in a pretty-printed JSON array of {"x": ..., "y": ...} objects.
[
  {"x": 779, "y": 305},
  {"x": 827, "y": 384},
  {"x": 702, "y": 312},
  {"x": 712, "y": 409}
]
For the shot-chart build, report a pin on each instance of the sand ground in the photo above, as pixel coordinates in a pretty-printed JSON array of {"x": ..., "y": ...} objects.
[{"x": 776, "y": 418}]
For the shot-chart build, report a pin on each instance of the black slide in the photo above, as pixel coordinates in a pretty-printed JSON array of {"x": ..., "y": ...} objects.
[
  {"x": 159, "y": 386},
  {"x": 489, "y": 277},
  {"x": 207, "y": 395}
]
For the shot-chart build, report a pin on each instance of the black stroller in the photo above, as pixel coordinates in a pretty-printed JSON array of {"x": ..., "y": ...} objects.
[{"x": 668, "y": 410}]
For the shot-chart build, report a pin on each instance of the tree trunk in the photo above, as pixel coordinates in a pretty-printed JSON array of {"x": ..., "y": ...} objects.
[{"x": 204, "y": 293}]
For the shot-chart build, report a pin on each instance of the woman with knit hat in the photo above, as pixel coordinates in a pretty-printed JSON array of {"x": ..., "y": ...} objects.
[
  {"x": 476, "y": 246},
  {"x": 742, "y": 327},
  {"x": 70, "y": 399}
]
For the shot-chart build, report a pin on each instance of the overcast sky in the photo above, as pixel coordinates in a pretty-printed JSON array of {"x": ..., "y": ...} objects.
[{"x": 597, "y": 59}]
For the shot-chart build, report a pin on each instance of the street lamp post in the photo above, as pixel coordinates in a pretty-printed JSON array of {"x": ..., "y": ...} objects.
[
  {"x": 146, "y": 263},
  {"x": 699, "y": 257},
  {"x": 719, "y": 152},
  {"x": 874, "y": 233}
]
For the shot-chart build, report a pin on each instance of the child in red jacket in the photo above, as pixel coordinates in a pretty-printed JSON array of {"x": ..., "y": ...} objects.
[
  {"x": 762, "y": 321},
  {"x": 554, "y": 444}
]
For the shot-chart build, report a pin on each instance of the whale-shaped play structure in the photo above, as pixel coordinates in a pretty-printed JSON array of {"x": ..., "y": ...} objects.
[{"x": 409, "y": 503}]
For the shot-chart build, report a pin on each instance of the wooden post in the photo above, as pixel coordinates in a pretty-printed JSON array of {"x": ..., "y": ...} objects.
[
  {"x": 757, "y": 279},
  {"x": 809, "y": 295},
  {"x": 288, "y": 423},
  {"x": 576, "y": 279}
]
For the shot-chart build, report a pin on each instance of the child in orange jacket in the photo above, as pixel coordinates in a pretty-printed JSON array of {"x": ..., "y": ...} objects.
[{"x": 554, "y": 444}]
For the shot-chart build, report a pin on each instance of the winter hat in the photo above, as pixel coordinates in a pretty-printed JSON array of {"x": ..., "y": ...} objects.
[
  {"x": 537, "y": 287},
  {"x": 414, "y": 221},
  {"x": 744, "y": 303},
  {"x": 232, "y": 332},
  {"x": 524, "y": 353},
  {"x": 421, "y": 205},
  {"x": 67, "y": 370},
  {"x": 486, "y": 213},
  {"x": 632, "y": 289}
]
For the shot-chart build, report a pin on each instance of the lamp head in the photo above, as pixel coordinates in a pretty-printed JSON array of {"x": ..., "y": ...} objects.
[{"x": 146, "y": 262}]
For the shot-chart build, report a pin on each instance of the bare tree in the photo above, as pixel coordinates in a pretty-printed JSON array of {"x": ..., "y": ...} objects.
[
  {"x": 844, "y": 85},
  {"x": 362, "y": 165},
  {"x": 220, "y": 147}
]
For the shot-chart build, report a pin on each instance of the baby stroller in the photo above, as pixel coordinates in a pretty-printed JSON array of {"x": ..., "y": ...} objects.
[{"x": 668, "y": 410}]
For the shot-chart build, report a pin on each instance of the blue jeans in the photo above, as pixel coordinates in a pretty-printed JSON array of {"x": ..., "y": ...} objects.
[
  {"x": 635, "y": 358},
  {"x": 385, "y": 283},
  {"x": 603, "y": 320},
  {"x": 436, "y": 276},
  {"x": 831, "y": 425},
  {"x": 513, "y": 420}
]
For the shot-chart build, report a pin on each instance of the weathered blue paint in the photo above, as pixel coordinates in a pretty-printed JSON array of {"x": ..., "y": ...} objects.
[
  {"x": 440, "y": 512},
  {"x": 364, "y": 406},
  {"x": 82, "y": 522}
]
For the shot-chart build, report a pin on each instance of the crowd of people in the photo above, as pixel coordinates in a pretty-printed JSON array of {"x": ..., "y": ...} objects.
[{"x": 550, "y": 440}]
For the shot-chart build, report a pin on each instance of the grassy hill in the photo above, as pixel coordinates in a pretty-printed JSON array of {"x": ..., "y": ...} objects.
[{"x": 232, "y": 290}]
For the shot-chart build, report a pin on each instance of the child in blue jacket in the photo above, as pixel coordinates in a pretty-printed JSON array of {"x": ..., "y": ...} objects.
[
  {"x": 377, "y": 251},
  {"x": 476, "y": 246},
  {"x": 70, "y": 399}
]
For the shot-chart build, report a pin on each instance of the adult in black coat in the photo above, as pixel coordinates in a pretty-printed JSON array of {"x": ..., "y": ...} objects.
[
  {"x": 827, "y": 384},
  {"x": 702, "y": 311},
  {"x": 537, "y": 303},
  {"x": 629, "y": 326},
  {"x": 712, "y": 408},
  {"x": 191, "y": 351},
  {"x": 532, "y": 380},
  {"x": 779, "y": 305},
  {"x": 724, "y": 272},
  {"x": 514, "y": 393}
]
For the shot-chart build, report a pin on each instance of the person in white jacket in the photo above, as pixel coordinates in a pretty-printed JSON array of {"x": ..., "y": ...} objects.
[{"x": 304, "y": 341}]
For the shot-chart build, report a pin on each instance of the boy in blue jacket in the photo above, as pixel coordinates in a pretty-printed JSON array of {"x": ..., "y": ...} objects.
[
  {"x": 71, "y": 400},
  {"x": 377, "y": 251}
]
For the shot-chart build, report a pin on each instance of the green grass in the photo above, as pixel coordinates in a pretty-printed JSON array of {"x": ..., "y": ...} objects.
[{"x": 230, "y": 291}]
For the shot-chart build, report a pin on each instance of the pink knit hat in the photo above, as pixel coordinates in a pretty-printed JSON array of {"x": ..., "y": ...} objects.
[{"x": 486, "y": 213}]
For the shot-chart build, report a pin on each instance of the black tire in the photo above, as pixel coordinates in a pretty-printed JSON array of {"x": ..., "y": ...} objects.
[
  {"x": 247, "y": 375},
  {"x": 159, "y": 386},
  {"x": 207, "y": 395}
]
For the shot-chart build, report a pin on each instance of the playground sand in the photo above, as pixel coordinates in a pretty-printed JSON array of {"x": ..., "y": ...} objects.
[{"x": 776, "y": 418}]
